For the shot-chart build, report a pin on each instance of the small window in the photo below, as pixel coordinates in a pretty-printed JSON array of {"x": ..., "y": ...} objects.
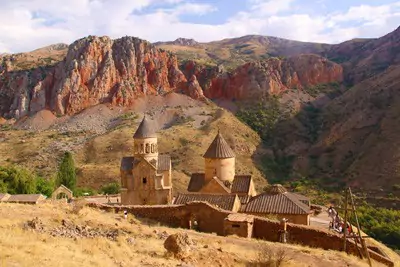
[
  {"x": 147, "y": 148},
  {"x": 236, "y": 225},
  {"x": 144, "y": 180},
  {"x": 152, "y": 148}
]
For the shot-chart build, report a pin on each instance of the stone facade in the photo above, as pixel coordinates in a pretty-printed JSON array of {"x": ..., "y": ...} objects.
[
  {"x": 146, "y": 177},
  {"x": 223, "y": 168},
  {"x": 292, "y": 218},
  {"x": 239, "y": 224}
]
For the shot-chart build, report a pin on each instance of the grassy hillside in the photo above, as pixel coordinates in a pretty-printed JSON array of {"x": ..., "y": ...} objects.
[
  {"x": 187, "y": 128},
  {"x": 132, "y": 242},
  {"x": 237, "y": 51}
]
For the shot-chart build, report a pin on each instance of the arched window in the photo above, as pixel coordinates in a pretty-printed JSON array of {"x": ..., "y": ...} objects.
[
  {"x": 147, "y": 148},
  {"x": 152, "y": 148}
]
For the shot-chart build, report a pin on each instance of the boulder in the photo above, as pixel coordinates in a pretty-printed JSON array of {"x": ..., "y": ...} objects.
[{"x": 179, "y": 244}]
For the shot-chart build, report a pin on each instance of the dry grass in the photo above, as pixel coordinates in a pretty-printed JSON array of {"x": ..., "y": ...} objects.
[
  {"x": 98, "y": 159},
  {"x": 27, "y": 248}
]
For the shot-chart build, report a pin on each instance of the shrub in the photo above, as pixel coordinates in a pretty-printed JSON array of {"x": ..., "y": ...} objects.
[
  {"x": 381, "y": 224},
  {"x": 18, "y": 180},
  {"x": 111, "y": 188},
  {"x": 268, "y": 256},
  {"x": 82, "y": 191},
  {"x": 44, "y": 187}
]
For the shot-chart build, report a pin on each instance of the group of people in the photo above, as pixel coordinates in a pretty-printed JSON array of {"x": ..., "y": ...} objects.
[{"x": 337, "y": 223}]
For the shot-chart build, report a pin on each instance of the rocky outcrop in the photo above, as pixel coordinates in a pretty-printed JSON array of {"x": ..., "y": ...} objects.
[
  {"x": 259, "y": 79},
  {"x": 101, "y": 70},
  {"x": 179, "y": 245},
  {"x": 95, "y": 70}
]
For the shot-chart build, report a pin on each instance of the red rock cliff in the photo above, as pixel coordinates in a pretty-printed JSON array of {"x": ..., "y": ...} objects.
[
  {"x": 272, "y": 76},
  {"x": 95, "y": 70}
]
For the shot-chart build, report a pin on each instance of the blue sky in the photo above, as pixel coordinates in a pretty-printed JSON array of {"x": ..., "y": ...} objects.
[{"x": 29, "y": 24}]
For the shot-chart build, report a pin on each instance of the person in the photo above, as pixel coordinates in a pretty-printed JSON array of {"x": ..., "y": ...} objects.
[
  {"x": 125, "y": 214},
  {"x": 117, "y": 200}
]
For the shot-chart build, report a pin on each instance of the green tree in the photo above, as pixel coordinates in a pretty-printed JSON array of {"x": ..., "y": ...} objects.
[
  {"x": 66, "y": 172},
  {"x": 44, "y": 186},
  {"x": 111, "y": 188},
  {"x": 16, "y": 180}
]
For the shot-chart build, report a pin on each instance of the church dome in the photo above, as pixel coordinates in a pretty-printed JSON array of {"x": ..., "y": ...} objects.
[{"x": 145, "y": 130}]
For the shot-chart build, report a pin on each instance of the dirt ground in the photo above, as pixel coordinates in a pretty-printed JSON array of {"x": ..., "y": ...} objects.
[{"x": 138, "y": 242}]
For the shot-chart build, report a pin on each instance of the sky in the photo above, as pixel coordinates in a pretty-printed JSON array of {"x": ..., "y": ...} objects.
[{"x": 26, "y": 25}]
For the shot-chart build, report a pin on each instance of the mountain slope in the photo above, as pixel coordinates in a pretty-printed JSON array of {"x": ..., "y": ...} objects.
[
  {"x": 364, "y": 58},
  {"x": 237, "y": 51},
  {"x": 356, "y": 137}
]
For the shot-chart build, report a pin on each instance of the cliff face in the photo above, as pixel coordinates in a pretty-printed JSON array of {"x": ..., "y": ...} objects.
[
  {"x": 95, "y": 70},
  {"x": 259, "y": 79},
  {"x": 98, "y": 70}
]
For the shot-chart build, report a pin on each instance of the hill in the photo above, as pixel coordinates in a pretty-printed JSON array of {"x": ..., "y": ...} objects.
[
  {"x": 315, "y": 101},
  {"x": 66, "y": 235},
  {"x": 234, "y": 52},
  {"x": 100, "y": 136}
]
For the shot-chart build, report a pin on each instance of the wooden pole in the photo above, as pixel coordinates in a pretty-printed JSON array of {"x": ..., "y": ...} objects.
[
  {"x": 364, "y": 246},
  {"x": 345, "y": 222}
]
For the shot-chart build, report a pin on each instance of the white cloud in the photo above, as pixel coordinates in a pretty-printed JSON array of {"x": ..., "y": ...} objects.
[
  {"x": 270, "y": 7},
  {"x": 28, "y": 24}
]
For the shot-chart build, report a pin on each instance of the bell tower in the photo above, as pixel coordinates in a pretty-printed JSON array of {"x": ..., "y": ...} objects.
[
  {"x": 219, "y": 160},
  {"x": 145, "y": 141}
]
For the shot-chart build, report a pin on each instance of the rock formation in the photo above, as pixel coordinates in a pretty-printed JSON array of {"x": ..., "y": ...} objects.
[
  {"x": 179, "y": 245},
  {"x": 95, "y": 70},
  {"x": 259, "y": 79}
]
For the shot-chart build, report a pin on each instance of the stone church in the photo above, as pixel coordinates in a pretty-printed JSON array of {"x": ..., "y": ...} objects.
[
  {"x": 219, "y": 184},
  {"x": 146, "y": 177}
]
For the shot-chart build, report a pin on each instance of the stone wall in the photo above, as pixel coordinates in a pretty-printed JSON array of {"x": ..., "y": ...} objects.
[
  {"x": 310, "y": 236},
  {"x": 211, "y": 220},
  {"x": 242, "y": 229}
]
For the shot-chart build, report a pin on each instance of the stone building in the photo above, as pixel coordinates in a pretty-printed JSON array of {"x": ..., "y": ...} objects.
[
  {"x": 146, "y": 176},
  {"x": 278, "y": 202},
  {"x": 219, "y": 175},
  {"x": 239, "y": 224},
  {"x": 219, "y": 185},
  {"x": 23, "y": 198}
]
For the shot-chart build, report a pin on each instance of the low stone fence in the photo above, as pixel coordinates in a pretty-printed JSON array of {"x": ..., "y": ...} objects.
[{"x": 210, "y": 219}]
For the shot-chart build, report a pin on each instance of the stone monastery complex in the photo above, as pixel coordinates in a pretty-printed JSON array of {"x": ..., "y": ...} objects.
[{"x": 146, "y": 180}]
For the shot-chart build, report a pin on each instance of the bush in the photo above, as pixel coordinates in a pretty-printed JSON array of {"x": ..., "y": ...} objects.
[
  {"x": 111, "y": 188},
  {"x": 269, "y": 256},
  {"x": 84, "y": 191},
  {"x": 262, "y": 117},
  {"x": 17, "y": 180},
  {"x": 44, "y": 187},
  {"x": 381, "y": 224}
]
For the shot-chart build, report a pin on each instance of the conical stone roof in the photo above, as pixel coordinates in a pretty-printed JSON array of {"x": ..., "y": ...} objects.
[
  {"x": 145, "y": 129},
  {"x": 219, "y": 149}
]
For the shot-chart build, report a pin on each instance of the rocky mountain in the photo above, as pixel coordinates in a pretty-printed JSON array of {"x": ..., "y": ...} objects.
[
  {"x": 364, "y": 58},
  {"x": 100, "y": 70},
  {"x": 180, "y": 41},
  {"x": 234, "y": 52},
  {"x": 342, "y": 98},
  {"x": 95, "y": 70}
]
